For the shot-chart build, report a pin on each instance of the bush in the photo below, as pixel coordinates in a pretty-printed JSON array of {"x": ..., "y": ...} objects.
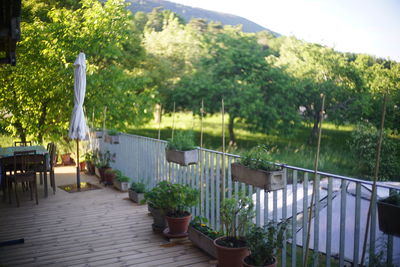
[
  {"x": 182, "y": 141},
  {"x": 138, "y": 187},
  {"x": 363, "y": 143},
  {"x": 258, "y": 158}
]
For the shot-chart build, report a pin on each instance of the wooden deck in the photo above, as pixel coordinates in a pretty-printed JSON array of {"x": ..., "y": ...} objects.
[{"x": 94, "y": 228}]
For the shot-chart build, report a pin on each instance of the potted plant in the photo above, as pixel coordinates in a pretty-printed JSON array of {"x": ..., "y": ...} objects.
[
  {"x": 178, "y": 199},
  {"x": 203, "y": 236},
  {"x": 389, "y": 214},
  {"x": 182, "y": 149},
  {"x": 154, "y": 199},
  {"x": 121, "y": 182},
  {"x": 103, "y": 166},
  {"x": 90, "y": 159},
  {"x": 255, "y": 168},
  {"x": 136, "y": 192},
  {"x": 65, "y": 149},
  {"x": 112, "y": 137},
  {"x": 263, "y": 243},
  {"x": 236, "y": 217}
]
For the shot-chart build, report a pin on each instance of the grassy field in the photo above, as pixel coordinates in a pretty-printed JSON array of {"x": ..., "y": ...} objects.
[{"x": 292, "y": 149}]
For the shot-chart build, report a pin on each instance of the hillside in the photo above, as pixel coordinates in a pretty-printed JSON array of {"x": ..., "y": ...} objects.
[{"x": 188, "y": 13}]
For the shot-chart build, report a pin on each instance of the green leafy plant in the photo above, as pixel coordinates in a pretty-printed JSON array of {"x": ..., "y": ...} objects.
[
  {"x": 263, "y": 242},
  {"x": 89, "y": 156},
  {"x": 200, "y": 224},
  {"x": 236, "y": 216},
  {"x": 259, "y": 158},
  {"x": 138, "y": 187},
  {"x": 174, "y": 199},
  {"x": 104, "y": 159},
  {"x": 394, "y": 199},
  {"x": 182, "y": 141},
  {"x": 112, "y": 132},
  {"x": 363, "y": 144}
]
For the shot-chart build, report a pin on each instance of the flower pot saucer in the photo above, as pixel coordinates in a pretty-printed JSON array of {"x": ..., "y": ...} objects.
[{"x": 167, "y": 234}]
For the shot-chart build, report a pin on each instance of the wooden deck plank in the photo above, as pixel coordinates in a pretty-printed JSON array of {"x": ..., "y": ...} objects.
[{"x": 95, "y": 228}]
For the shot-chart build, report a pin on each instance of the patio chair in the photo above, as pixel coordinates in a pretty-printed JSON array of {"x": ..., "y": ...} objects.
[
  {"x": 52, "y": 148},
  {"x": 23, "y": 143},
  {"x": 24, "y": 168}
]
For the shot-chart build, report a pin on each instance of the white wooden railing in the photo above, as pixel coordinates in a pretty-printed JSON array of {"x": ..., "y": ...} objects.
[{"x": 339, "y": 217}]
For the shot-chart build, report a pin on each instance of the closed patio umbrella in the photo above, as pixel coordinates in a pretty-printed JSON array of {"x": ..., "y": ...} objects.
[{"x": 77, "y": 128}]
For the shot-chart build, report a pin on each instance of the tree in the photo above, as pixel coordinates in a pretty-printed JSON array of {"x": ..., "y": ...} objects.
[
  {"x": 38, "y": 93},
  {"x": 234, "y": 69}
]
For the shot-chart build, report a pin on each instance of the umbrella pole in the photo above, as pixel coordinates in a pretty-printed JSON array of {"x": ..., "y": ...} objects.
[{"x": 78, "y": 173}]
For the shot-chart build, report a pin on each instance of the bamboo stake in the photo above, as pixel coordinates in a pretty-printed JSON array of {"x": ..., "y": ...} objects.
[
  {"x": 223, "y": 151},
  {"x": 373, "y": 193},
  {"x": 321, "y": 115},
  {"x": 173, "y": 122},
  {"x": 201, "y": 146},
  {"x": 158, "y": 144},
  {"x": 159, "y": 123}
]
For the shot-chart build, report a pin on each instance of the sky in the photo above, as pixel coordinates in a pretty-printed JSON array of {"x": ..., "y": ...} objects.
[{"x": 360, "y": 26}]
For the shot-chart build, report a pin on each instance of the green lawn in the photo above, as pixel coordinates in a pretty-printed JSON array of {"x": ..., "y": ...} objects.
[{"x": 290, "y": 149}]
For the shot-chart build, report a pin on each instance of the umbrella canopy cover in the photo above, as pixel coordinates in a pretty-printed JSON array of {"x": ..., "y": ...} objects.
[{"x": 78, "y": 128}]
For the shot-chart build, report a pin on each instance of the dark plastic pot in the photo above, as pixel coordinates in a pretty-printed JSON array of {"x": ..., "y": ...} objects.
[
  {"x": 249, "y": 265},
  {"x": 389, "y": 218}
]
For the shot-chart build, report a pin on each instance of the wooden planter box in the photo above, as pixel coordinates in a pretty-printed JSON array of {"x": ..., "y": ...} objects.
[
  {"x": 111, "y": 139},
  {"x": 135, "y": 197},
  {"x": 267, "y": 180},
  {"x": 202, "y": 241},
  {"x": 96, "y": 134},
  {"x": 389, "y": 218},
  {"x": 183, "y": 158},
  {"x": 121, "y": 186}
]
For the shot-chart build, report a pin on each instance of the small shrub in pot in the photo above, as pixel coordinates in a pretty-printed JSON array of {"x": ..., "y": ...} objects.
[{"x": 136, "y": 192}]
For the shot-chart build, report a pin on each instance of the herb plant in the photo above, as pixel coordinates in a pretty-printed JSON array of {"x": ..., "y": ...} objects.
[
  {"x": 200, "y": 223},
  {"x": 258, "y": 158},
  {"x": 174, "y": 199},
  {"x": 182, "y": 141},
  {"x": 263, "y": 242},
  {"x": 236, "y": 216},
  {"x": 394, "y": 199},
  {"x": 112, "y": 132},
  {"x": 138, "y": 187}
]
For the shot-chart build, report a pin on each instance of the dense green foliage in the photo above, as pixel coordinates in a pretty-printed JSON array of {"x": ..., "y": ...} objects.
[
  {"x": 135, "y": 61},
  {"x": 263, "y": 242},
  {"x": 174, "y": 199},
  {"x": 258, "y": 157},
  {"x": 364, "y": 141},
  {"x": 138, "y": 187},
  {"x": 182, "y": 141}
]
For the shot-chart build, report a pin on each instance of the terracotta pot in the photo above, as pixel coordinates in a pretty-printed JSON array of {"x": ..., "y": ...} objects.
[
  {"x": 66, "y": 159},
  {"x": 270, "y": 265},
  {"x": 179, "y": 225},
  {"x": 82, "y": 166},
  {"x": 230, "y": 257}
]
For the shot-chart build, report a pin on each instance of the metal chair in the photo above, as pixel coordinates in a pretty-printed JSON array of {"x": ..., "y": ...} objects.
[
  {"x": 25, "y": 165},
  {"x": 23, "y": 143}
]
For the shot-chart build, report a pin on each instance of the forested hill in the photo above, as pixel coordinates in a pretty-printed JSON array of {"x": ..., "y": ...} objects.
[{"x": 188, "y": 13}]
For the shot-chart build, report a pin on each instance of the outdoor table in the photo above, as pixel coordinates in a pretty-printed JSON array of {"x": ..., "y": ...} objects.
[{"x": 7, "y": 152}]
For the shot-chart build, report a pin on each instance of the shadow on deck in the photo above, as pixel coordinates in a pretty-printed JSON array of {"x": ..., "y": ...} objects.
[{"x": 93, "y": 228}]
